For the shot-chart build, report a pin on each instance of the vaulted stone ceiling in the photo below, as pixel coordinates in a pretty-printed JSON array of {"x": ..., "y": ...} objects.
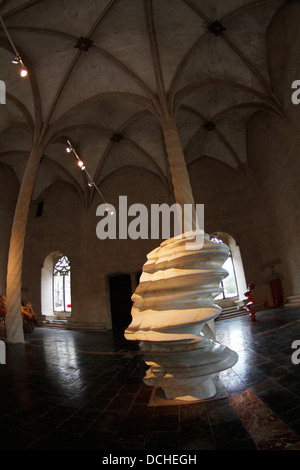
[{"x": 102, "y": 73}]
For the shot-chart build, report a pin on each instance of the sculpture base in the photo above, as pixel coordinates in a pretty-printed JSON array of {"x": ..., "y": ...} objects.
[
  {"x": 199, "y": 390},
  {"x": 158, "y": 396},
  {"x": 186, "y": 371}
]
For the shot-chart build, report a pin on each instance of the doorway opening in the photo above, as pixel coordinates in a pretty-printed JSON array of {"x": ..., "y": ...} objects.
[
  {"x": 234, "y": 285},
  {"x": 62, "y": 285},
  {"x": 120, "y": 289},
  {"x": 56, "y": 287}
]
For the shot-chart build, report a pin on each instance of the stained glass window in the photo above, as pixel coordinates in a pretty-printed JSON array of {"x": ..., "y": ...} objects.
[{"x": 62, "y": 285}]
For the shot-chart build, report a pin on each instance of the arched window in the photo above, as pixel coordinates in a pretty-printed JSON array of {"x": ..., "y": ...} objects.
[
  {"x": 62, "y": 285},
  {"x": 234, "y": 285},
  {"x": 229, "y": 283}
]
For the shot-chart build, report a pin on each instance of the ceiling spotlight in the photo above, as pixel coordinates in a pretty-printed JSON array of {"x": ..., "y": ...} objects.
[
  {"x": 90, "y": 181},
  {"x": 81, "y": 165},
  {"x": 23, "y": 73},
  {"x": 16, "y": 60}
]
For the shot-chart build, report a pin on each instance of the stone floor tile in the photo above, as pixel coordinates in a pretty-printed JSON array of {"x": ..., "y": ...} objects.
[{"x": 95, "y": 399}]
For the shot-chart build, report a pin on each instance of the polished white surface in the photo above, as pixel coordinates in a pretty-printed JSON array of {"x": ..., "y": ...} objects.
[{"x": 172, "y": 317}]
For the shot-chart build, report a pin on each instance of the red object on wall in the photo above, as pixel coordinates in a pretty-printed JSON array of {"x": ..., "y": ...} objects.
[{"x": 251, "y": 301}]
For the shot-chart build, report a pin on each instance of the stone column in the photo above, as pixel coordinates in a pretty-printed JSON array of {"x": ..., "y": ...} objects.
[
  {"x": 180, "y": 178},
  {"x": 182, "y": 188},
  {"x": 14, "y": 321}
]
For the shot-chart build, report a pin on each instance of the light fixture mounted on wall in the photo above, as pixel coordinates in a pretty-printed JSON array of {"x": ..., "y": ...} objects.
[
  {"x": 91, "y": 182},
  {"x": 17, "y": 59},
  {"x": 23, "y": 70}
]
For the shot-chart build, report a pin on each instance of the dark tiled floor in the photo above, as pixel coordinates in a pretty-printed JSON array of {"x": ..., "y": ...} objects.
[{"x": 84, "y": 391}]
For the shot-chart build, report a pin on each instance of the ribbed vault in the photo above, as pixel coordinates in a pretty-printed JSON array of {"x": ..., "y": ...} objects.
[{"x": 103, "y": 73}]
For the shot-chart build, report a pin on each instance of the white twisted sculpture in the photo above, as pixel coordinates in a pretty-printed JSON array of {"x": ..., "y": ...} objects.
[{"x": 172, "y": 310}]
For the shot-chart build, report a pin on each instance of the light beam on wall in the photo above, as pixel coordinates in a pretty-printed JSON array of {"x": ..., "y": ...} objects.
[
  {"x": 17, "y": 59},
  {"x": 91, "y": 182}
]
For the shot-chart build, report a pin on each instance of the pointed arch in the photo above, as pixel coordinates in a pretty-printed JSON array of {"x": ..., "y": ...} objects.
[
  {"x": 235, "y": 284},
  {"x": 52, "y": 302}
]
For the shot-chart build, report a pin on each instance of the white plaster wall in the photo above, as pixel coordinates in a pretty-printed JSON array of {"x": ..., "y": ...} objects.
[
  {"x": 278, "y": 175},
  {"x": 68, "y": 227},
  {"x": 274, "y": 146},
  {"x": 232, "y": 206}
]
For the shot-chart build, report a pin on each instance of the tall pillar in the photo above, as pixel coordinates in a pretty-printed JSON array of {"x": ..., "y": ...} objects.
[
  {"x": 14, "y": 321},
  {"x": 182, "y": 188},
  {"x": 180, "y": 178}
]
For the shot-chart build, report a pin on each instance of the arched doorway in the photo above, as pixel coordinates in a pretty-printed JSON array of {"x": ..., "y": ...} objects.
[
  {"x": 120, "y": 290},
  {"x": 62, "y": 285},
  {"x": 234, "y": 284},
  {"x": 56, "y": 286}
]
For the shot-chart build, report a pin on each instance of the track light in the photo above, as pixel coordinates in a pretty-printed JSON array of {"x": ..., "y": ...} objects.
[
  {"x": 91, "y": 183},
  {"x": 23, "y": 73},
  {"x": 81, "y": 165},
  {"x": 17, "y": 59}
]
